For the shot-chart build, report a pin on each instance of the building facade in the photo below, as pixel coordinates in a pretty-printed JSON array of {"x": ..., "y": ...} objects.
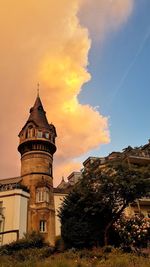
[
  {"x": 30, "y": 202},
  {"x": 13, "y": 210}
]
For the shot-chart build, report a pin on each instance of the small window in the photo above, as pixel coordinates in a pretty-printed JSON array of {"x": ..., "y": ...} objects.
[
  {"x": 39, "y": 134},
  {"x": 47, "y": 135},
  {"x": 50, "y": 169},
  {"x": 30, "y": 132},
  {"x": 42, "y": 226}
]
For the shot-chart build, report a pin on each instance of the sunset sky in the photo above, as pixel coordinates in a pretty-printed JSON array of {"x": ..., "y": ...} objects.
[{"x": 92, "y": 60}]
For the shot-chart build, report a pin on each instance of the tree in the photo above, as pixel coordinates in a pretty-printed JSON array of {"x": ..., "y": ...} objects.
[{"x": 98, "y": 200}]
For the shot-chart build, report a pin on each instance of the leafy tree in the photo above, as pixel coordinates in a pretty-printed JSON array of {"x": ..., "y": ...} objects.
[{"x": 98, "y": 200}]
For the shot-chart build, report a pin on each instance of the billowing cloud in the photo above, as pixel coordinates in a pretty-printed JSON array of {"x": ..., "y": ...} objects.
[
  {"x": 45, "y": 41},
  {"x": 104, "y": 15}
]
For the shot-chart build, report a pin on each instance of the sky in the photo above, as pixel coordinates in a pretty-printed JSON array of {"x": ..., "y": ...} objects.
[{"x": 91, "y": 59}]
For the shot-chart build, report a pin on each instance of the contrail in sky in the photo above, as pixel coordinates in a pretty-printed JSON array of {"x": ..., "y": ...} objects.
[{"x": 132, "y": 63}]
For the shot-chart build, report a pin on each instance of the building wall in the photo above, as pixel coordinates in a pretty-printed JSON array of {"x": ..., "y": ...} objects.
[
  {"x": 58, "y": 200},
  {"x": 13, "y": 213}
]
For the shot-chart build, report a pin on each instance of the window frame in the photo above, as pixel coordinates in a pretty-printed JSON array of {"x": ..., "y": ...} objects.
[
  {"x": 39, "y": 134},
  {"x": 43, "y": 226},
  {"x": 42, "y": 195}
]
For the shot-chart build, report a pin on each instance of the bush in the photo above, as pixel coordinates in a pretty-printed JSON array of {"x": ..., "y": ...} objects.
[
  {"x": 59, "y": 244},
  {"x": 33, "y": 254},
  {"x": 30, "y": 240},
  {"x": 133, "y": 232}
]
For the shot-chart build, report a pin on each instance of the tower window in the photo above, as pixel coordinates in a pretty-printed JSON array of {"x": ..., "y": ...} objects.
[
  {"x": 30, "y": 132},
  {"x": 47, "y": 135},
  {"x": 42, "y": 195},
  {"x": 42, "y": 226},
  {"x": 50, "y": 169},
  {"x": 39, "y": 134}
]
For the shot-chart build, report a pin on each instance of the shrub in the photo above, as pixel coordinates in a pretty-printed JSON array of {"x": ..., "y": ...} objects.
[
  {"x": 133, "y": 232},
  {"x": 33, "y": 254},
  {"x": 30, "y": 240},
  {"x": 59, "y": 244}
]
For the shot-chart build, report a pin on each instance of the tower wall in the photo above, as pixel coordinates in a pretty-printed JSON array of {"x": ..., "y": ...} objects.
[
  {"x": 36, "y": 172},
  {"x": 37, "y": 146},
  {"x": 36, "y": 162}
]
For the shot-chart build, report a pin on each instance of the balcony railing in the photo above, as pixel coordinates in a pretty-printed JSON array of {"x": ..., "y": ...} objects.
[{"x": 6, "y": 187}]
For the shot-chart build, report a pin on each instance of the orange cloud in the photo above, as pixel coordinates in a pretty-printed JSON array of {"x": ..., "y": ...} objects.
[{"x": 45, "y": 41}]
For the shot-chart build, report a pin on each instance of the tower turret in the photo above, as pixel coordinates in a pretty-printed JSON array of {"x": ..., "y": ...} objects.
[{"x": 37, "y": 146}]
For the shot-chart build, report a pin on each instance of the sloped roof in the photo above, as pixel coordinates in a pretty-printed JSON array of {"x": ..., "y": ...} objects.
[
  {"x": 38, "y": 115},
  {"x": 62, "y": 184},
  {"x": 12, "y": 180}
]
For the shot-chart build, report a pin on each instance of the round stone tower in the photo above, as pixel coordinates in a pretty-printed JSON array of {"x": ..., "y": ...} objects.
[{"x": 37, "y": 146}]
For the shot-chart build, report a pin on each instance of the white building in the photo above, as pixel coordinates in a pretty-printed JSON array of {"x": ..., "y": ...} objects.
[{"x": 13, "y": 210}]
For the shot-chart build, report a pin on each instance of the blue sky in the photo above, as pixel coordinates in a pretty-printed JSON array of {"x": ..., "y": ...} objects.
[{"x": 120, "y": 83}]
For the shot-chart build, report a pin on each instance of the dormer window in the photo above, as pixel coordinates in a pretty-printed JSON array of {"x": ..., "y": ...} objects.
[
  {"x": 39, "y": 134},
  {"x": 47, "y": 135},
  {"x": 30, "y": 132}
]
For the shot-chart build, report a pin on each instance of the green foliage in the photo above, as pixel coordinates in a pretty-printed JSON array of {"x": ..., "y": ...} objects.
[
  {"x": 59, "y": 244},
  {"x": 98, "y": 200},
  {"x": 133, "y": 232},
  {"x": 30, "y": 240}
]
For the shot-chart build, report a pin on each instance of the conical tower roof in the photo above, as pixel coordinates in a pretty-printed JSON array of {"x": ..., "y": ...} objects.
[{"x": 38, "y": 115}]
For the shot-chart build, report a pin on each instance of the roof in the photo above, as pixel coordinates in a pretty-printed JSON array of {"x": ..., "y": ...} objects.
[
  {"x": 62, "y": 184},
  {"x": 138, "y": 160},
  {"x": 38, "y": 116},
  {"x": 12, "y": 180},
  {"x": 61, "y": 191},
  {"x": 114, "y": 153},
  {"x": 90, "y": 160},
  {"x": 74, "y": 174}
]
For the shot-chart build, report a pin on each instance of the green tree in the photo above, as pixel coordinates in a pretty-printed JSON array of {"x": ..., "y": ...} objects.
[{"x": 98, "y": 200}]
